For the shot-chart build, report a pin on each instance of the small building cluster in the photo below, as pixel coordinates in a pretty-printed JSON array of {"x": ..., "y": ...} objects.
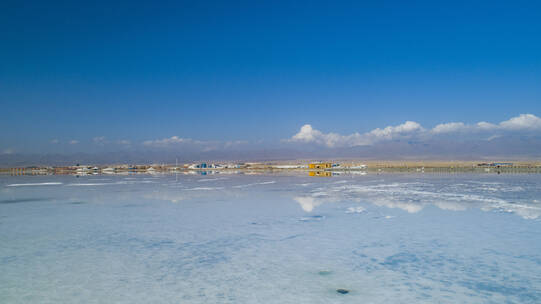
[
  {"x": 497, "y": 165},
  {"x": 79, "y": 169},
  {"x": 320, "y": 166}
]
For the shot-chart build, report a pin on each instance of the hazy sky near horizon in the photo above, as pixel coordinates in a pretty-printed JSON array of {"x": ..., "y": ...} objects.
[{"x": 126, "y": 75}]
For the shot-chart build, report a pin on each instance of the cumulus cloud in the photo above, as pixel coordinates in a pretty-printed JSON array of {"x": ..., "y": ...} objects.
[
  {"x": 518, "y": 123},
  {"x": 55, "y": 141},
  {"x": 391, "y": 132},
  {"x": 411, "y": 129},
  {"x": 485, "y": 126},
  {"x": 308, "y": 134},
  {"x": 73, "y": 142},
  {"x": 522, "y": 122},
  {"x": 449, "y": 127},
  {"x": 123, "y": 142}
]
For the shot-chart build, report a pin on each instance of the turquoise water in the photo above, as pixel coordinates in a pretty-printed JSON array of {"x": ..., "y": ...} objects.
[{"x": 235, "y": 238}]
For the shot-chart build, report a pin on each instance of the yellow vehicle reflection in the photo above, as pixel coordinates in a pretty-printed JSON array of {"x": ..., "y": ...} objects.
[{"x": 320, "y": 173}]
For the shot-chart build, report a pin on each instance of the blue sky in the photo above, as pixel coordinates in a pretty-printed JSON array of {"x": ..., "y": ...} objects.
[{"x": 101, "y": 75}]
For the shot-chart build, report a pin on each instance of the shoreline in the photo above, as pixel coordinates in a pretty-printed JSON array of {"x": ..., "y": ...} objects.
[
  {"x": 315, "y": 167},
  {"x": 296, "y": 171}
]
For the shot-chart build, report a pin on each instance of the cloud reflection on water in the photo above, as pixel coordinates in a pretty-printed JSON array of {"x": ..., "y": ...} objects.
[{"x": 413, "y": 197}]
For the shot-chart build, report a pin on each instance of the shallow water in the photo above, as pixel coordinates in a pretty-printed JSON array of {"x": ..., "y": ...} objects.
[{"x": 390, "y": 238}]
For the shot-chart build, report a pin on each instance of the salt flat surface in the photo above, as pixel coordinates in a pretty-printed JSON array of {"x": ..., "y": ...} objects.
[{"x": 271, "y": 239}]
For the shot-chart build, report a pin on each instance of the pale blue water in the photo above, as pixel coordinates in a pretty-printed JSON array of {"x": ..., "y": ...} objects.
[{"x": 270, "y": 239}]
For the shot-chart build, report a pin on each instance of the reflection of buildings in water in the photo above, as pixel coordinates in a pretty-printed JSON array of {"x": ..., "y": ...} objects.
[
  {"x": 320, "y": 173},
  {"x": 334, "y": 173},
  {"x": 203, "y": 172},
  {"x": 356, "y": 172}
]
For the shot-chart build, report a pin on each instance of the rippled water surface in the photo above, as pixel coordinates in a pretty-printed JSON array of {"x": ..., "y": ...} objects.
[{"x": 237, "y": 238}]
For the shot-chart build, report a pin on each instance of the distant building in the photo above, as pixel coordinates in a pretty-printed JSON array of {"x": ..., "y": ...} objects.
[
  {"x": 198, "y": 166},
  {"x": 320, "y": 166},
  {"x": 287, "y": 166},
  {"x": 108, "y": 170}
]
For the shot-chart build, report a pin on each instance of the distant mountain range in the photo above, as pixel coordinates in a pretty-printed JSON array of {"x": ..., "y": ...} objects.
[{"x": 511, "y": 148}]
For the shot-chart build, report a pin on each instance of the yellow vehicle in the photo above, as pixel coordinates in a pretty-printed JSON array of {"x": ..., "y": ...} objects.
[{"x": 320, "y": 166}]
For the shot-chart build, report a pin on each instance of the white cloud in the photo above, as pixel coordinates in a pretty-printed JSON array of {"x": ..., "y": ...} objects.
[
  {"x": 307, "y": 134},
  {"x": 485, "y": 126},
  {"x": 518, "y": 123},
  {"x": 410, "y": 129},
  {"x": 102, "y": 140},
  {"x": 522, "y": 122},
  {"x": 449, "y": 127},
  {"x": 391, "y": 132},
  {"x": 204, "y": 146},
  {"x": 167, "y": 141},
  {"x": 55, "y": 141},
  {"x": 73, "y": 142}
]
